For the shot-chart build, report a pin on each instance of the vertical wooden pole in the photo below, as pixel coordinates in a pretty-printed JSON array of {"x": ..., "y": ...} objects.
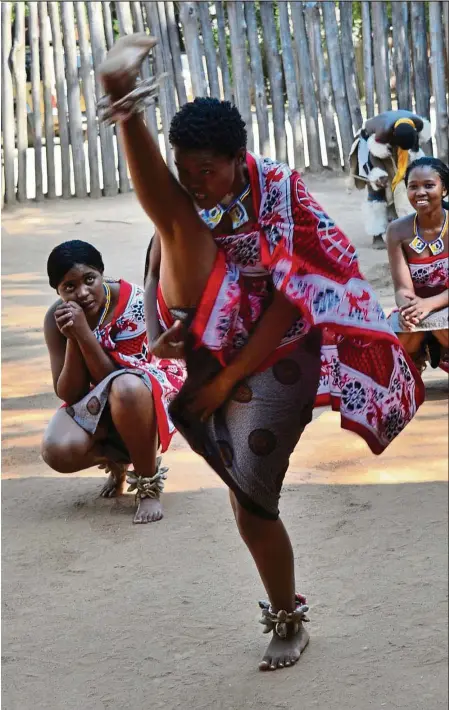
[
  {"x": 48, "y": 105},
  {"x": 173, "y": 35},
  {"x": 334, "y": 160},
  {"x": 294, "y": 111},
  {"x": 338, "y": 79},
  {"x": 125, "y": 23},
  {"x": 209, "y": 49},
  {"x": 19, "y": 74},
  {"x": 258, "y": 79},
  {"x": 240, "y": 69},
  {"x": 381, "y": 68},
  {"x": 73, "y": 99},
  {"x": 307, "y": 86},
  {"x": 437, "y": 61},
  {"x": 168, "y": 87},
  {"x": 98, "y": 44},
  {"x": 165, "y": 104},
  {"x": 272, "y": 57},
  {"x": 107, "y": 20},
  {"x": 150, "y": 111},
  {"x": 36, "y": 96},
  {"x": 58, "y": 62},
  {"x": 8, "y": 108},
  {"x": 222, "y": 49},
  {"x": 189, "y": 20},
  {"x": 401, "y": 53},
  {"x": 347, "y": 48},
  {"x": 89, "y": 100},
  {"x": 420, "y": 59},
  {"x": 368, "y": 68}
]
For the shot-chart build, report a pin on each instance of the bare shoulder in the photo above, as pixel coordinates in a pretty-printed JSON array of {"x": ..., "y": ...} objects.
[{"x": 400, "y": 230}]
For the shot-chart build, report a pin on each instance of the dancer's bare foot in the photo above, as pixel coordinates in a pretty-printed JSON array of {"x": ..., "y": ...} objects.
[
  {"x": 282, "y": 653},
  {"x": 149, "y": 510},
  {"x": 116, "y": 480},
  {"x": 121, "y": 67}
]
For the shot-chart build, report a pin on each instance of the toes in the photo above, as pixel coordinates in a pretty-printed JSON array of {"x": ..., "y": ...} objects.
[{"x": 265, "y": 664}]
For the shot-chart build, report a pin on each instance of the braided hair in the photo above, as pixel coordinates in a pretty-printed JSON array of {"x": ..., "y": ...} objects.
[
  {"x": 66, "y": 255},
  {"x": 435, "y": 164},
  {"x": 208, "y": 124}
]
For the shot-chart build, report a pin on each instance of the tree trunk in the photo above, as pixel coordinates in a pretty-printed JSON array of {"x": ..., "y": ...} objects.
[
  {"x": 347, "y": 48},
  {"x": 58, "y": 62},
  {"x": 240, "y": 69},
  {"x": 446, "y": 33},
  {"x": 438, "y": 79},
  {"x": 45, "y": 54},
  {"x": 420, "y": 59},
  {"x": 89, "y": 100},
  {"x": 294, "y": 111},
  {"x": 222, "y": 50},
  {"x": 36, "y": 96},
  {"x": 258, "y": 79},
  {"x": 150, "y": 111},
  {"x": 276, "y": 79},
  {"x": 98, "y": 44},
  {"x": 368, "y": 59},
  {"x": 381, "y": 68},
  {"x": 8, "y": 107},
  {"x": 338, "y": 80},
  {"x": 189, "y": 20},
  {"x": 324, "y": 90},
  {"x": 209, "y": 49},
  {"x": 173, "y": 35},
  {"x": 17, "y": 62},
  {"x": 401, "y": 53}
]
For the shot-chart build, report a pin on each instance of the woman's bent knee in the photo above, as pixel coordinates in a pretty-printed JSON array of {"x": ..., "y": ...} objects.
[
  {"x": 249, "y": 525},
  {"x": 127, "y": 389},
  {"x": 62, "y": 456}
]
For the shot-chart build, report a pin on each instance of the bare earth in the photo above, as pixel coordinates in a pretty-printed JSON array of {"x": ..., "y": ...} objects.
[{"x": 99, "y": 614}]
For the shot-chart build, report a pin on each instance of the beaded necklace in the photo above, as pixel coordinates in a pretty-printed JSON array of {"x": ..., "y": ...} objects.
[
  {"x": 107, "y": 290},
  {"x": 418, "y": 244},
  {"x": 235, "y": 209}
]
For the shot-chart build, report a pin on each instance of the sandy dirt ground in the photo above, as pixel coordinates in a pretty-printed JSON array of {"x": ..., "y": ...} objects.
[{"x": 99, "y": 614}]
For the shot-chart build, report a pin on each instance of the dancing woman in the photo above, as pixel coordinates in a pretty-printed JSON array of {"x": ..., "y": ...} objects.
[
  {"x": 116, "y": 401},
  {"x": 418, "y": 253},
  {"x": 256, "y": 272}
]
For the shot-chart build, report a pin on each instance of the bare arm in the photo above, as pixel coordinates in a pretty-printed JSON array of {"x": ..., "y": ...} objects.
[
  {"x": 68, "y": 369},
  {"x": 270, "y": 330},
  {"x": 400, "y": 272},
  {"x": 273, "y": 325}
]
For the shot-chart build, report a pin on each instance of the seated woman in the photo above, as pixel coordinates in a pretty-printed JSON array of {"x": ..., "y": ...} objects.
[
  {"x": 418, "y": 253},
  {"x": 116, "y": 399},
  {"x": 260, "y": 276}
]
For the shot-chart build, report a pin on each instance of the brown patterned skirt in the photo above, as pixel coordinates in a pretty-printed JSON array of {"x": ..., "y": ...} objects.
[{"x": 249, "y": 440}]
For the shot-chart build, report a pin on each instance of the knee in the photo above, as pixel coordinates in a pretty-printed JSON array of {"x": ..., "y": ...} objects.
[
  {"x": 60, "y": 455},
  {"x": 125, "y": 389}
]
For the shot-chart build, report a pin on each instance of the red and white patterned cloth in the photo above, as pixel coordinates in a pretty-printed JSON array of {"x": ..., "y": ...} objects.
[
  {"x": 366, "y": 374},
  {"x": 125, "y": 341}
]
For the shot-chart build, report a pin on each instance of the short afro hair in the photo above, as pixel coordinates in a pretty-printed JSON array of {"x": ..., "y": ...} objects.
[
  {"x": 434, "y": 164},
  {"x": 209, "y": 124},
  {"x": 406, "y": 137},
  {"x": 66, "y": 255}
]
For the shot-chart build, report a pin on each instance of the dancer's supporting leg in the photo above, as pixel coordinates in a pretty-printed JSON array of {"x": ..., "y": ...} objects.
[{"x": 188, "y": 255}]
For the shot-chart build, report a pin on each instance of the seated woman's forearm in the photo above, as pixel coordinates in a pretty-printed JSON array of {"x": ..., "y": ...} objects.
[
  {"x": 435, "y": 303},
  {"x": 402, "y": 296},
  {"x": 270, "y": 330},
  {"x": 98, "y": 363},
  {"x": 73, "y": 382},
  {"x": 151, "y": 314}
]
